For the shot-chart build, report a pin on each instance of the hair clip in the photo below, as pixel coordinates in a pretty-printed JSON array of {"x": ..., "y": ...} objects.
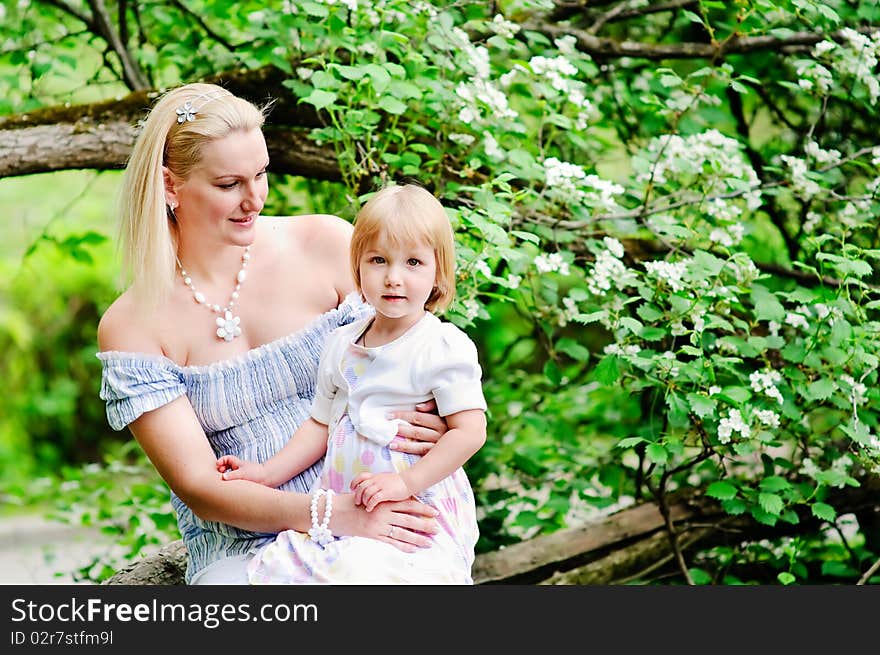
[{"x": 187, "y": 112}]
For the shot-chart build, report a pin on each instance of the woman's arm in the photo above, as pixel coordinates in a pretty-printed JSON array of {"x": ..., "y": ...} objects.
[
  {"x": 466, "y": 435},
  {"x": 176, "y": 445}
]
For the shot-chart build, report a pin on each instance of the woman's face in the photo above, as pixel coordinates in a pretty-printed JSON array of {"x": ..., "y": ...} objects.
[{"x": 221, "y": 199}]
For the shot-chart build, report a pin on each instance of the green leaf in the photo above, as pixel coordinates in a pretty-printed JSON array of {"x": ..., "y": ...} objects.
[
  {"x": 699, "y": 576},
  {"x": 721, "y": 490},
  {"x": 701, "y": 405},
  {"x": 767, "y": 306},
  {"x": 785, "y": 578},
  {"x": 353, "y": 73},
  {"x": 320, "y": 99},
  {"x": 314, "y": 9},
  {"x": 592, "y": 317},
  {"x": 551, "y": 370},
  {"x": 857, "y": 431},
  {"x": 526, "y": 236},
  {"x": 657, "y": 453},
  {"x": 838, "y": 569},
  {"x": 379, "y": 76},
  {"x": 631, "y": 324},
  {"x": 607, "y": 371},
  {"x": 735, "y": 395},
  {"x": 763, "y": 517},
  {"x": 734, "y": 506},
  {"x": 774, "y": 483},
  {"x": 678, "y": 410},
  {"x": 629, "y": 442},
  {"x": 573, "y": 349},
  {"x": 770, "y": 503},
  {"x": 392, "y": 105},
  {"x": 648, "y": 313},
  {"x": 823, "y": 511},
  {"x": 821, "y": 389}
]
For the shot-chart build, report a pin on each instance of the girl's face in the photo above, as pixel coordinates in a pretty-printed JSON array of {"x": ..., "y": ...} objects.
[
  {"x": 397, "y": 279},
  {"x": 221, "y": 199}
]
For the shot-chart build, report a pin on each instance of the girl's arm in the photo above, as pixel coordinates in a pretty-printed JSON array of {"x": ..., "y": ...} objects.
[
  {"x": 175, "y": 443},
  {"x": 307, "y": 445},
  {"x": 466, "y": 435}
]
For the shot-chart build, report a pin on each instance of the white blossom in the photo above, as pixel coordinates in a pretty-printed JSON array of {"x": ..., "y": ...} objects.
[
  {"x": 733, "y": 423},
  {"x": 462, "y": 139},
  {"x": 858, "y": 392},
  {"x": 471, "y": 308},
  {"x": 482, "y": 267},
  {"x": 669, "y": 272},
  {"x": 765, "y": 382},
  {"x": 490, "y": 145},
  {"x": 504, "y": 27},
  {"x": 614, "y": 246},
  {"x": 797, "y": 320},
  {"x": 551, "y": 263},
  {"x": 617, "y": 349},
  {"x": 767, "y": 417}
]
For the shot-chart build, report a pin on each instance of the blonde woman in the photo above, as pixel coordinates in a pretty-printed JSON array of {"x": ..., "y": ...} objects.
[
  {"x": 213, "y": 348},
  {"x": 402, "y": 259}
]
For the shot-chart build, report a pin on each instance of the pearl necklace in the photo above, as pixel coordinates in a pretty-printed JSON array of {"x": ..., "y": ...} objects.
[{"x": 227, "y": 325}]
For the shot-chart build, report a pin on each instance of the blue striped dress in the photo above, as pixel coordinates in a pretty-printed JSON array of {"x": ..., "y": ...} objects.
[{"x": 249, "y": 406}]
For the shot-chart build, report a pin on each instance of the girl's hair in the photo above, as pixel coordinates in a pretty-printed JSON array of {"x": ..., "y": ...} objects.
[
  {"x": 148, "y": 234},
  {"x": 408, "y": 214}
]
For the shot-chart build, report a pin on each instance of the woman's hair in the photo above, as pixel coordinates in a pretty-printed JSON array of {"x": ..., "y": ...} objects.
[
  {"x": 408, "y": 214},
  {"x": 174, "y": 133}
]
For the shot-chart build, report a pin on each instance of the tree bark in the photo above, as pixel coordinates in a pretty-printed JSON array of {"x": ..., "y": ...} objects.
[{"x": 100, "y": 135}]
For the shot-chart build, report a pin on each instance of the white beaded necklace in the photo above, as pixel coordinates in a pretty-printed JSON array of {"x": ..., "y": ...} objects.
[{"x": 227, "y": 325}]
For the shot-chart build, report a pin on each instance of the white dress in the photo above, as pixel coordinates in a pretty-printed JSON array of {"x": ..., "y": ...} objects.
[{"x": 431, "y": 360}]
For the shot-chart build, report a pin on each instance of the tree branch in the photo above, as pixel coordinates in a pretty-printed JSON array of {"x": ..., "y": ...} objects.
[
  {"x": 131, "y": 73},
  {"x": 204, "y": 26},
  {"x": 623, "y": 12},
  {"x": 100, "y": 135},
  {"x": 610, "y": 48}
]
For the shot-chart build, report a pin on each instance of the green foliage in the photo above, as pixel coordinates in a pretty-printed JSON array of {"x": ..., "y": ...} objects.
[{"x": 122, "y": 495}]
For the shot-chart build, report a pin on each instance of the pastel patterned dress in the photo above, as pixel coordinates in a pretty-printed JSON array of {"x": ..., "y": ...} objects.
[
  {"x": 294, "y": 558},
  {"x": 248, "y": 406}
]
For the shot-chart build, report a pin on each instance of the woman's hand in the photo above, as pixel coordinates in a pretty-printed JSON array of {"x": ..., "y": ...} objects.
[
  {"x": 404, "y": 524},
  {"x": 424, "y": 428}
]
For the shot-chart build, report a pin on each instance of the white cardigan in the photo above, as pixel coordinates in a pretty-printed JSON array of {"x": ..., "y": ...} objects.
[{"x": 432, "y": 359}]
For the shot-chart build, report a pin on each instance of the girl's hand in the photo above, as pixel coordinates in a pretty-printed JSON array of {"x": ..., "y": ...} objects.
[
  {"x": 424, "y": 429},
  {"x": 371, "y": 489},
  {"x": 234, "y": 468}
]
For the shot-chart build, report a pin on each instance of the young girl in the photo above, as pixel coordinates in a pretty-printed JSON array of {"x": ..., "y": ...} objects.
[{"x": 402, "y": 258}]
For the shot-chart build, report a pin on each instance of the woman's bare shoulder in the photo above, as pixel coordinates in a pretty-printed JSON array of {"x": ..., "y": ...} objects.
[
  {"x": 122, "y": 328},
  {"x": 309, "y": 231},
  {"x": 323, "y": 229}
]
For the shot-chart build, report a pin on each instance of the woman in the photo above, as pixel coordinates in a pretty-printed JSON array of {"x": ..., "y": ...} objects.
[{"x": 195, "y": 379}]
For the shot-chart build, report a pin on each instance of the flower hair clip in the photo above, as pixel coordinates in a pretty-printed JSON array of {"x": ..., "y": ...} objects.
[{"x": 187, "y": 111}]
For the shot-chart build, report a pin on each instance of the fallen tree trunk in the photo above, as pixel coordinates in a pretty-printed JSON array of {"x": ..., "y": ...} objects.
[{"x": 615, "y": 549}]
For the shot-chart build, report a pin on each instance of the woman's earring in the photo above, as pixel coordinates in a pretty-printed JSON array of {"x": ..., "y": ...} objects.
[{"x": 171, "y": 207}]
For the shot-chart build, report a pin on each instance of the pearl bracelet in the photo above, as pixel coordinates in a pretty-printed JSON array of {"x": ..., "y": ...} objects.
[{"x": 321, "y": 533}]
